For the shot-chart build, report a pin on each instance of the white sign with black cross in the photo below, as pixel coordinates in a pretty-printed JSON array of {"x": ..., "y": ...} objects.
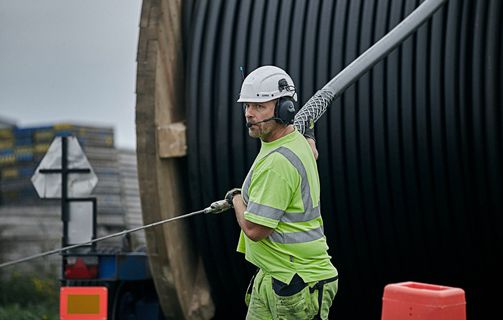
[
  {"x": 65, "y": 173},
  {"x": 81, "y": 177}
]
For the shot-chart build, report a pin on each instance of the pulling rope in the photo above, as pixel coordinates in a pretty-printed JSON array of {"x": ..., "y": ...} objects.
[{"x": 215, "y": 207}]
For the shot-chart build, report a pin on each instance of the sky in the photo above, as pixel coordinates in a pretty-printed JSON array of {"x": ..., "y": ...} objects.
[{"x": 71, "y": 61}]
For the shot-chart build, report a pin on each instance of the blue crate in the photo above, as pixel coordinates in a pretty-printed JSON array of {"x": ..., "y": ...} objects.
[
  {"x": 27, "y": 171},
  {"x": 63, "y": 133},
  {"x": 24, "y": 153},
  {"x": 7, "y": 156},
  {"x": 6, "y": 151},
  {"x": 43, "y": 134},
  {"x": 17, "y": 173},
  {"x": 23, "y": 141},
  {"x": 23, "y": 132}
]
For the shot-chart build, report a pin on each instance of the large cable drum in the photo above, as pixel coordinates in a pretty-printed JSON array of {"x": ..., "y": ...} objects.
[{"x": 410, "y": 156}]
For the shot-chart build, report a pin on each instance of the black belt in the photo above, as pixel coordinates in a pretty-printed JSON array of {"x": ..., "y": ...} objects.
[
  {"x": 319, "y": 286},
  {"x": 296, "y": 285}
]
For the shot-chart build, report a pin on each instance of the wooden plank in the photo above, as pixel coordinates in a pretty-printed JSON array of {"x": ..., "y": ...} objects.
[
  {"x": 178, "y": 273},
  {"x": 172, "y": 140}
]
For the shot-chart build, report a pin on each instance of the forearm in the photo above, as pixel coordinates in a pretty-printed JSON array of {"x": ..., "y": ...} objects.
[
  {"x": 252, "y": 230},
  {"x": 240, "y": 208}
]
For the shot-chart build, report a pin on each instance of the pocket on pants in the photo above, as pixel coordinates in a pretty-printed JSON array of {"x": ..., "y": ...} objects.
[
  {"x": 293, "y": 301},
  {"x": 250, "y": 288}
]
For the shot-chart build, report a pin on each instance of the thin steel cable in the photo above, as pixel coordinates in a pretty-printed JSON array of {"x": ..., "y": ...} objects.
[{"x": 47, "y": 253}]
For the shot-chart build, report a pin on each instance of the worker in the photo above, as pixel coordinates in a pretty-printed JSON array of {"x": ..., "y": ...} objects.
[{"x": 278, "y": 208}]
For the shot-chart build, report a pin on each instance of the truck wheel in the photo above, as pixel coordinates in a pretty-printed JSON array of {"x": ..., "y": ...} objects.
[{"x": 124, "y": 303}]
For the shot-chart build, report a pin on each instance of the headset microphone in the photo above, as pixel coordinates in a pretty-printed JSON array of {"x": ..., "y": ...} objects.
[{"x": 249, "y": 125}]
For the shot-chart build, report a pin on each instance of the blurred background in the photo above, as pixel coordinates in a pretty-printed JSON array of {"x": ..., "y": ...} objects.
[
  {"x": 70, "y": 61},
  {"x": 410, "y": 155},
  {"x": 66, "y": 68}
]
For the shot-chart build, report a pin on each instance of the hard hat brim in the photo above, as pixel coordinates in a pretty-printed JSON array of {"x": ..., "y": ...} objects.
[
  {"x": 260, "y": 99},
  {"x": 257, "y": 99}
]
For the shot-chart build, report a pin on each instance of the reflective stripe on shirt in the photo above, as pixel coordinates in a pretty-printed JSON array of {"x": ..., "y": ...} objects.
[
  {"x": 309, "y": 214},
  {"x": 280, "y": 215},
  {"x": 297, "y": 237}
]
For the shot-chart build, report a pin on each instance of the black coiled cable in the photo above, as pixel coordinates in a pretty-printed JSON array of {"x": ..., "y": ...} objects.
[{"x": 410, "y": 156}]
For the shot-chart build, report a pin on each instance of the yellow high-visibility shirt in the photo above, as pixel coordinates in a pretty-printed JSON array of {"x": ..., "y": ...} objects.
[{"x": 282, "y": 192}]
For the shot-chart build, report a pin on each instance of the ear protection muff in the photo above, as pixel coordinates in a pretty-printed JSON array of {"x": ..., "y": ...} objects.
[{"x": 284, "y": 111}]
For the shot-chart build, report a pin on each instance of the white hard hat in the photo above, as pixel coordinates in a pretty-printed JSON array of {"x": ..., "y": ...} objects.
[{"x": 267, "y": 83}]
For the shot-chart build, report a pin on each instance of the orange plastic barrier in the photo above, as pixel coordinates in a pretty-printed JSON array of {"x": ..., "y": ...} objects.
[
  {"x": 415, "y": 300},
  {"x": 79, "y": 303}
]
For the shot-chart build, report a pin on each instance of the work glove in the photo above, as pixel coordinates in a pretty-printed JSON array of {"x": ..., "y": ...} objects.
[
  {"x": 223, "y": 205},
  {"x": 309, "y": 130},
  {"x": 230, "y": 195}
]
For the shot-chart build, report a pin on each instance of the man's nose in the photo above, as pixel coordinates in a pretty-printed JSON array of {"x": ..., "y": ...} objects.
[{"x": 248, "y": 112}]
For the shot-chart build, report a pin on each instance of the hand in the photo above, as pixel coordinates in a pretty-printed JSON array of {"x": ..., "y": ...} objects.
[
  {"x": 309, "y": 134},
  {"x": 230, "y": 195},
  {"x": 312, "y": 144}
]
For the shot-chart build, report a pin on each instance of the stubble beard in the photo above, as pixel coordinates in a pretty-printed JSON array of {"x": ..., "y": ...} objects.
[{"x": 259, "y": 131}]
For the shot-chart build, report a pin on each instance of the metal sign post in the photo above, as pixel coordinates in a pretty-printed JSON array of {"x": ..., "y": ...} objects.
[
  {"x": 64, "y": 171},
  {"x": 66, "y": 159}
]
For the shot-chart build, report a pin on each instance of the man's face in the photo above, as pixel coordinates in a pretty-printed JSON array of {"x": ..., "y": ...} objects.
[{"x": 255, "y": 112}]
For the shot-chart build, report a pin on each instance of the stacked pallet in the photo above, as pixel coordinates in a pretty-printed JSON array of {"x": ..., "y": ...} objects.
[
  {"x": 25, "y": 219},
  {"x": 21, "y": 150},
  {"x": 19, "y": 156}
]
